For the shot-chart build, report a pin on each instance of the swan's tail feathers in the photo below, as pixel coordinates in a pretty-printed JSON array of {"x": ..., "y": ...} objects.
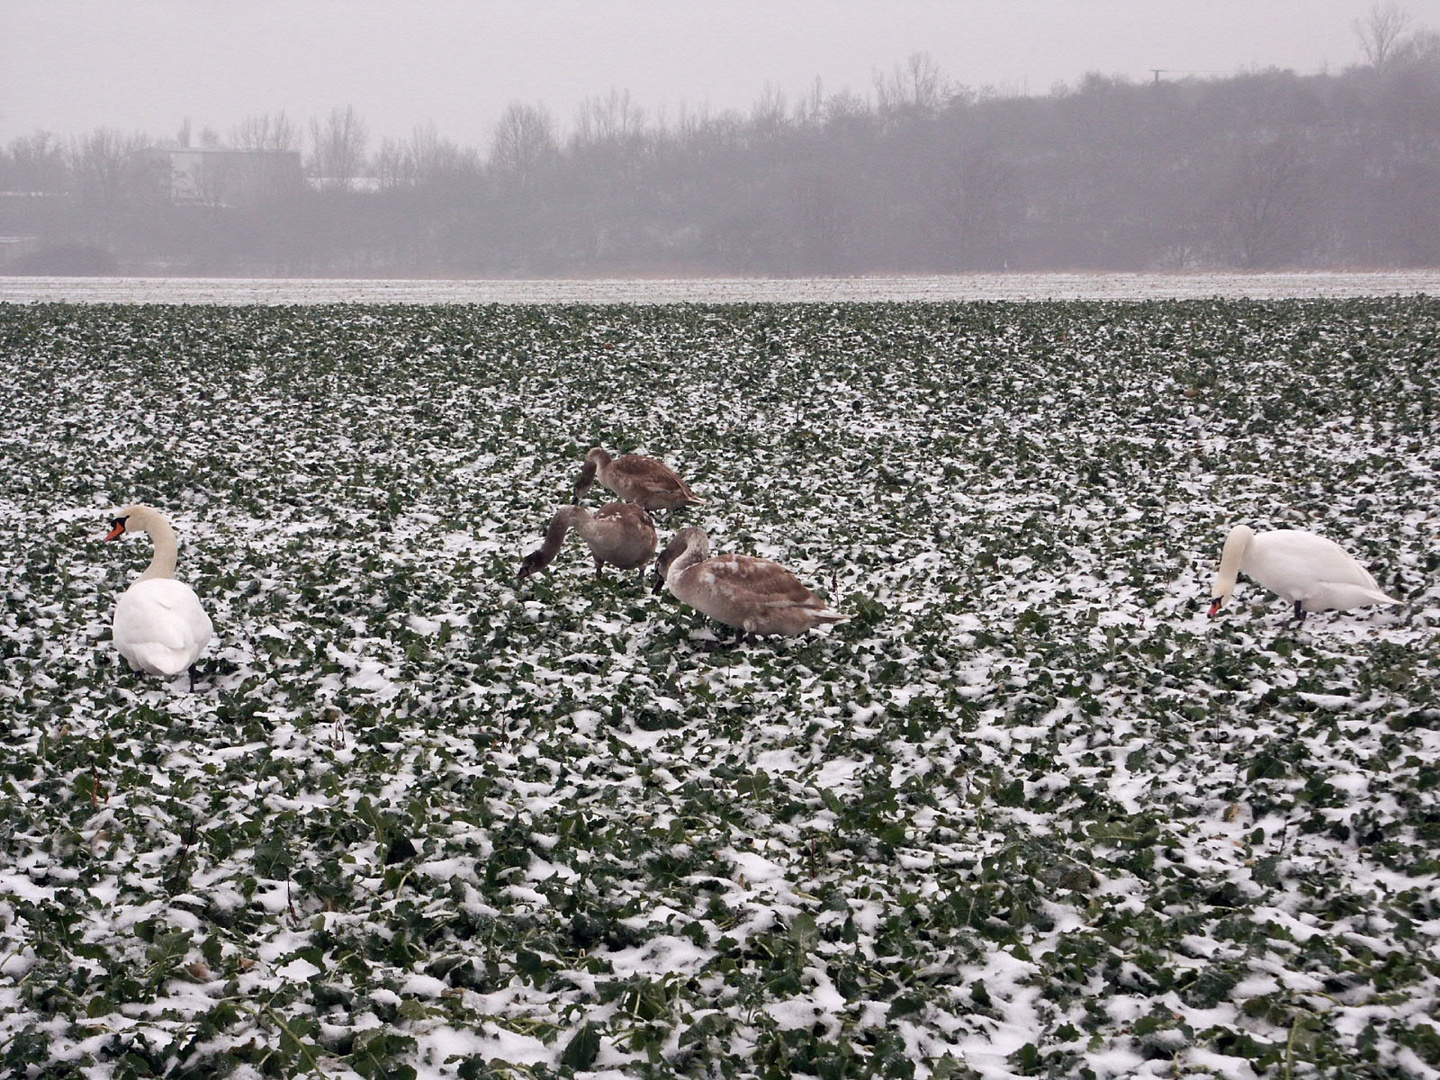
[
  {"x": 156, "y": 659},
  {"x": 1348, "y": 595},
  {"x": 1344, "y": 595}
]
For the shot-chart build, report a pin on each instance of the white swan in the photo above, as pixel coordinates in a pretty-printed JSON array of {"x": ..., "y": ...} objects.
[
  {"x": 619, "y": 533},
  {"x": 755, "y": 595},
  {"x": 636, "y": 478},
  {"x": 1313, "y": 573},
  {"x": 159, "y": 625}
]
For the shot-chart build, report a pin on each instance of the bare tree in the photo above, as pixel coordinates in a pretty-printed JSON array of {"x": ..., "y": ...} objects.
[
  {"x": 1421, "y": 47},
  {"x": 272, "y": 131},
  {"x": 846, "y": 110},
  {"x": 268, "y": 167},
  {"x": 810, "y": 112},
  {"x": 1265, "y": 199},
  {"x": 107, "y": 167},
  {"x": 605, "y": 184},
  {"x": 974, "y": 191},
  {"x": 1382, "y": 32},
  {"x": 1266, "y": 169},
  {"x": 423, "y": 158},
  {"x": 916, "y": 89},
  {"x": 36, "y": 163},
  {"x": 613, "y": 119},
  {"x": 821, "y": 222},
  {"x": 338, "y": 148},
  {"x": 523, "y": 144},
  {"x": 769, "y": 116}
]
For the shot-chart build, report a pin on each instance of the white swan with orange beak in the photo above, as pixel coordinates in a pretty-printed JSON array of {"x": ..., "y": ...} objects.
[
  {"x": 159, "y": 624},
  {"x": 1310, "y": 571}
]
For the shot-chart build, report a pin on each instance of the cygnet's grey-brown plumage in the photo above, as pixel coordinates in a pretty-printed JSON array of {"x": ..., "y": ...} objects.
[
  {"x": 752, "y": 594},
  {"x": 619, "y": 533},
  {"x": 635, "y": 478}
]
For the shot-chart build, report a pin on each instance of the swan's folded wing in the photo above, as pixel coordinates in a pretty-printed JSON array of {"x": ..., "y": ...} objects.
[
  {"x": 761, "y": 583},
  {"x": 645, "y": 474}
]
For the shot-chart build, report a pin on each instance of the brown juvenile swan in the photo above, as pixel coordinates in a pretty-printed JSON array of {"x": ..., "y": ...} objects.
[
  {"x": 755, "y": 595},
  {"x": 619, "y": 533},
  {"x": 637, "y": 479}
]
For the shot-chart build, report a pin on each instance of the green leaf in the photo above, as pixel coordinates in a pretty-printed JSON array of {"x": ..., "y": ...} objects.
[{"x": 582, "y": 1049}]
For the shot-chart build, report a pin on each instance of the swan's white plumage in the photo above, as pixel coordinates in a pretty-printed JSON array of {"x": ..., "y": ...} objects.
[
  {"x": 1312, "y": 572},
  {"x": 159, "y": 625}
]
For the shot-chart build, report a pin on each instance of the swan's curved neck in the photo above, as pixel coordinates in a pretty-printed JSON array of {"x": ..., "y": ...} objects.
[
  {"x": 587, "y": 472},
  {"x": 162, "y": 564},
  {"x": 566, "y": 518},
  {"x": 696, "y": 550},
  {"x": 1236, "y": 544}
]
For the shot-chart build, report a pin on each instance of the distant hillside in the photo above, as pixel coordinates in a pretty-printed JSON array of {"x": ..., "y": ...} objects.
[{"x": 1262, "y": 170}]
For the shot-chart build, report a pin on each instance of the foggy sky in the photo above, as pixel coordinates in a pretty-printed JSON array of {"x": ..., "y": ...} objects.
[{"x": 69, "y": 66}]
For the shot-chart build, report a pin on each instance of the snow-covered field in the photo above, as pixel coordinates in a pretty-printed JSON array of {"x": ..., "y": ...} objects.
[
  {"x": 1029, "y": 813},
  {"x": 1074, "y": 286}
]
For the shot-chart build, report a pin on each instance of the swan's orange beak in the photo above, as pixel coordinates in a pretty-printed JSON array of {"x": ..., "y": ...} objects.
[
  {"x": 117, "y": 528},
  {"x": 1215, "y": 606}
]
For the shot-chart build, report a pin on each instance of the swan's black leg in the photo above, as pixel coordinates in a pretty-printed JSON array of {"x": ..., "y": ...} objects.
[{"x": 1299, "y": 612}]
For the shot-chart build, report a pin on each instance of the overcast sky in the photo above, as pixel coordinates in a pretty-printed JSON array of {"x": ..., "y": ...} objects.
[{"x": 69, "y": 66}]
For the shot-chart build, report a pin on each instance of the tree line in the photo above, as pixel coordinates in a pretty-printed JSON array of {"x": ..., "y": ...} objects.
[{"x": 1262, "y": 169}]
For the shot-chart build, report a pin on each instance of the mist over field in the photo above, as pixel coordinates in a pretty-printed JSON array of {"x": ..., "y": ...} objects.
[{"x": 916, "y": 173}]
